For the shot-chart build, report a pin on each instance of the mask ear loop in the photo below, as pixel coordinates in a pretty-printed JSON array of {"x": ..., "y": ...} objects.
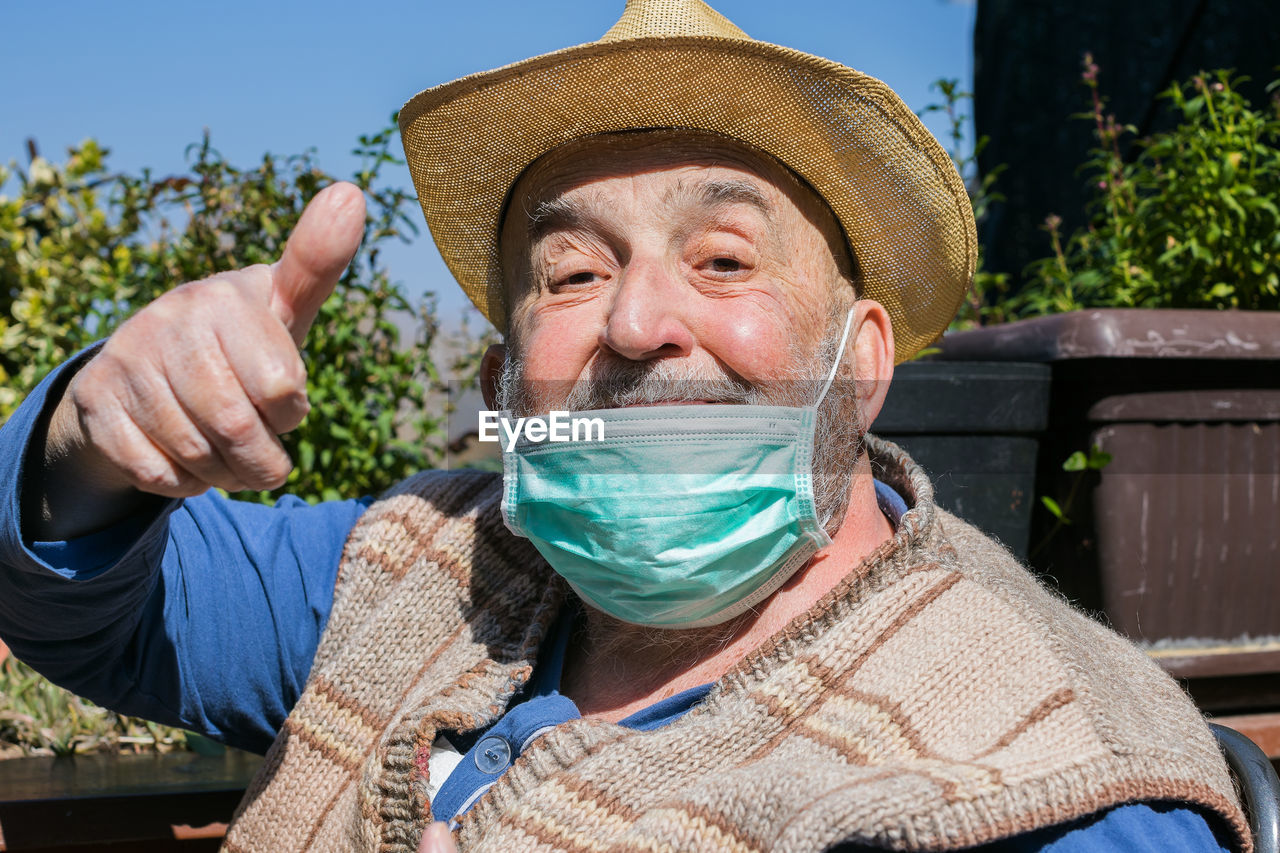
[{"x": 831, "y": 377}]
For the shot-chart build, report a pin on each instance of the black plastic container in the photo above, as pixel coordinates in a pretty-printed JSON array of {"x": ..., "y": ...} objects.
[{"x": 976, "y": 429}]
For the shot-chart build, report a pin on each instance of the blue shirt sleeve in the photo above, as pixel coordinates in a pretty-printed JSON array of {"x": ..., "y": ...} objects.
[
  {"x": 1132, "y": 828},
  {"x": 204, "y": 613}
]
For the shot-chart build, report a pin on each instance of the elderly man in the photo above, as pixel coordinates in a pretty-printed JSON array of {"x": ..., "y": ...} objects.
[{"x": 734, "y": 620}]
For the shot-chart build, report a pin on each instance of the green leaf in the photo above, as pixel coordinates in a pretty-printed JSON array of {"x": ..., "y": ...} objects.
[
  {"x": 1230, "y": 202},
  {"x": 1076, "y": 462},
  {"x": 1052, "y": 505},
  {"x": 306, "y": 455},
  {"x": 1098, "y": 458}
]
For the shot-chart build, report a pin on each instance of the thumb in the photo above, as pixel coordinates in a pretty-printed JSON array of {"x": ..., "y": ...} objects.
[
  {"x": 319, "y": 249},
  {"x": 437, "y": 839}
]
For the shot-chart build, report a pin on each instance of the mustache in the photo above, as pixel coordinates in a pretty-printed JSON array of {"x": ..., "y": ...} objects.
[{"x": 617, "y": 384}]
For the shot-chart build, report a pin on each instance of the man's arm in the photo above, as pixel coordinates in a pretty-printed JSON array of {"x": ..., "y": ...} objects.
[
  {"x": 203, "y": 613},
  {"x": 207, "y": 617}
]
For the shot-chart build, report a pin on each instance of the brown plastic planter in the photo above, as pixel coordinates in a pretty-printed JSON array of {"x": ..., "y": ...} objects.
[
  {"x": 1179, "y": 537},
  {"x": 1187, "y": 512}
]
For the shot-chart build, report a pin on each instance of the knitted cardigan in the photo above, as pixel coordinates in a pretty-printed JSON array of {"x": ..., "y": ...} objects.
[{"x": 937, "y": 698}]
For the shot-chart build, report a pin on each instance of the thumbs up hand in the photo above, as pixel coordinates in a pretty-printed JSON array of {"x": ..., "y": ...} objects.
[{"x": 192, "y": 391}]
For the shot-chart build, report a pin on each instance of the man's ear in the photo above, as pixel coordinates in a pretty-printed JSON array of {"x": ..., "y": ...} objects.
[
  {"x": 873, "y": 356},
  {"x": 491, "y": 364}
]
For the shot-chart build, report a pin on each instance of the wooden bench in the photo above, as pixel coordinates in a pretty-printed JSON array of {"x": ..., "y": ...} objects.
[
  {"x": 1238, "y": 685},
  {"x": 180, "y": 801}
]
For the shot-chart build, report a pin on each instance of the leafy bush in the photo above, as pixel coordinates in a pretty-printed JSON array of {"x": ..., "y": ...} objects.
[
  {"x": 1191, "y": 222},
  {"x": 82, "y": 248}
]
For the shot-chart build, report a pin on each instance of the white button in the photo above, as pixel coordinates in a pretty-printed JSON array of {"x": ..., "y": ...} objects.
[{"x": 493, "y": 754}]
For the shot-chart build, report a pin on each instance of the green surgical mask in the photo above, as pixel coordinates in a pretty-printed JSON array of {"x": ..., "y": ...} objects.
[{"x": 680, "y": 516}]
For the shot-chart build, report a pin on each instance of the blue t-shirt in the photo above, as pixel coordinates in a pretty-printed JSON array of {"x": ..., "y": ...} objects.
[{"x": 206, "y": 614}]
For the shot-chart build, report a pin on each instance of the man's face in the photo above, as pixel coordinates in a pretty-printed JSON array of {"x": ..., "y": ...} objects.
[
  {"x": 657, "y": 256},
  {"x": 656, "y": 268}
]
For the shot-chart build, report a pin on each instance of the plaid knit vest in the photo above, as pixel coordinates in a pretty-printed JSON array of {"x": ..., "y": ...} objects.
[{"x": 939, "y": 697}]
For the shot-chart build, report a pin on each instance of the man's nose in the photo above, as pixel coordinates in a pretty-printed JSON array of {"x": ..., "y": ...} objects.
[{"x": 646, "y": 319}]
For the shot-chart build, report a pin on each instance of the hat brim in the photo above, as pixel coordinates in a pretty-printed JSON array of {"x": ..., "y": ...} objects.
[{"x": 894, "y": 190}]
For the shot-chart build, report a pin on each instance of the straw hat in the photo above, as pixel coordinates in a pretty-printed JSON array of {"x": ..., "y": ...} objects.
[{"x": 680, "y": 64}]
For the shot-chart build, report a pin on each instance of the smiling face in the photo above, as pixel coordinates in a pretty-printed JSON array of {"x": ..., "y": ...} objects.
[
  {"x": 673, "y": 267},
  {"x": 681, "y": 256}
]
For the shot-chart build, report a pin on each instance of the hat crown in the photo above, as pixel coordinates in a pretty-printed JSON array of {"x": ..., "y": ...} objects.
[{"x": 667, "y": 18}]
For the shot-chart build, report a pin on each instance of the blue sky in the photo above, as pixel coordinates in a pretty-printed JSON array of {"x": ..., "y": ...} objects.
[{"x": 145, "y": 78}]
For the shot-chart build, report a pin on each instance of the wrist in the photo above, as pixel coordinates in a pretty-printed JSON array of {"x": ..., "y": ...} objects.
[{"x": 69, "y": 487}]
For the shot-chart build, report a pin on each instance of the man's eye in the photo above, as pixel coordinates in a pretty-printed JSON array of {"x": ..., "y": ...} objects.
[
  {"x": 725, "y": 265},
  {"x": 579, "y": 278}
]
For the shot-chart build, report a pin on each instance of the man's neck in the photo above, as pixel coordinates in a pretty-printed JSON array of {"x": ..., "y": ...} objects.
[{"x": 613, "y": 670}]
